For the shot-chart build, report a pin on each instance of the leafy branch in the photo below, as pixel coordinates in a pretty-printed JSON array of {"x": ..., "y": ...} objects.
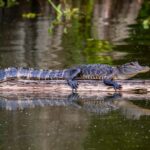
[{"x": 62, "y": 13}]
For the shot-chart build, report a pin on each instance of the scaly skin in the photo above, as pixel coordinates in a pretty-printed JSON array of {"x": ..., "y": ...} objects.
[
  {"x": 106, "y": 73},
  {"x": 92, "y": 71}
]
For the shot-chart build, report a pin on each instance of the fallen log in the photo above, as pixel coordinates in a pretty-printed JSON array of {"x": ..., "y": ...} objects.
[{"x": 136, "y": 86}]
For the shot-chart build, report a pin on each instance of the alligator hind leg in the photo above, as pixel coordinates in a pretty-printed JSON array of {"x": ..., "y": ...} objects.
[
  {"x": 73, "y": 73},
  {"x": 110, "y": 82}
]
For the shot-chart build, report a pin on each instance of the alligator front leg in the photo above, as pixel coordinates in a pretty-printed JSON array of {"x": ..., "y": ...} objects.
[
  {"x": 73, "y": 73},
  {"x": 110, "y": 82}
]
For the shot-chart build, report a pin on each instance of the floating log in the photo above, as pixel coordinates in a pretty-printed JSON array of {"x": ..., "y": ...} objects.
[{"x": 137, "y": 86}]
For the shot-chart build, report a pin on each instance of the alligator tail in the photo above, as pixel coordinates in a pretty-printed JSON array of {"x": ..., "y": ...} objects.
[{"x": 30, "y": 74}]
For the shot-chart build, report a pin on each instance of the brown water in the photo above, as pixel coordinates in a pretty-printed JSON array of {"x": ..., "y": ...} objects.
[{"x": 108, "y": 33}]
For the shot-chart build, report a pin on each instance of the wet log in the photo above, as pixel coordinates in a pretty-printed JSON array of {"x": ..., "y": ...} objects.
[{"x": 136, "y": 86}]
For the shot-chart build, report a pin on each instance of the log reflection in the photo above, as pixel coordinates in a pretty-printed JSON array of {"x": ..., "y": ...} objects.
[{"x": 99, "y": 103}]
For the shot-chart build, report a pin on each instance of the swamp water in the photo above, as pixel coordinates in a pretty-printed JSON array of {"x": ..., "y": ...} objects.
[{"x": 58, "y": 121}]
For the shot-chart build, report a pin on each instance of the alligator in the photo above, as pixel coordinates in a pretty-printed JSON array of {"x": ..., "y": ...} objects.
[{"x": 108, "y": 74}]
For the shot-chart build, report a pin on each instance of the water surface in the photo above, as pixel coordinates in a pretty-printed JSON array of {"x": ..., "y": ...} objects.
[{"x": 109, "y": 33}]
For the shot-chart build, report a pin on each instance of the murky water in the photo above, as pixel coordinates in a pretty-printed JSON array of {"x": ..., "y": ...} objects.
[{"x": 109, "y": 33}]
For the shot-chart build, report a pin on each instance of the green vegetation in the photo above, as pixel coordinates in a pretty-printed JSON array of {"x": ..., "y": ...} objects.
[
  {"x": 144, "y": 15},
  {"x": 96, "y": 51},
  {"x": 93, "y": 50},
  {"x": 63, "y": 15},
  {"x": 2, "y": 3},
  {"x": 9, "y": 3},
  {"x": 29, "y": 15},
  {"x": 72, "y": 48},
  {"x": 146, "y": 23}
]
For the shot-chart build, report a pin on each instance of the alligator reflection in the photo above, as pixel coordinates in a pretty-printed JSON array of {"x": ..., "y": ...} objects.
[{"x": 92, "y": 102}]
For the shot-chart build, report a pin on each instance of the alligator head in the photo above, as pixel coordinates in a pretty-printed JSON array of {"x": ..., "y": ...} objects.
[{"x": 131, "y": 69}]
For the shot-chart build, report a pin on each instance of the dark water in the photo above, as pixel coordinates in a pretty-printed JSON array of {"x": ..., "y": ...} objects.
[{"x": 109, "y": 32}]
